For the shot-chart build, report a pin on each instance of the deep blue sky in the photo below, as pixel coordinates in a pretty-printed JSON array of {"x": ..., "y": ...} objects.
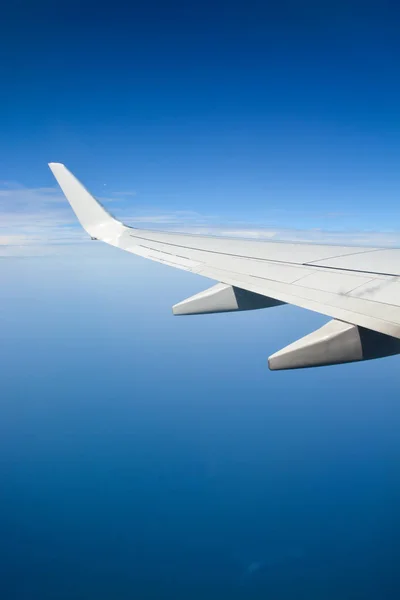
[
  {"x": 152, "y": 457},
  {"x": 286, "y": 113}
]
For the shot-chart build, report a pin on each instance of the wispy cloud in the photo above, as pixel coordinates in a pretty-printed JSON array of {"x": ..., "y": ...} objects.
[
  {"x": 126, "y": 194},
  {"x": 40, "y": 217},
  {"x": 30, "y": 216}
]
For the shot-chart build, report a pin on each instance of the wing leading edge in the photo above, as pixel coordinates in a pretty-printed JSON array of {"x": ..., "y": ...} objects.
[{"x": 358, "y": 287}]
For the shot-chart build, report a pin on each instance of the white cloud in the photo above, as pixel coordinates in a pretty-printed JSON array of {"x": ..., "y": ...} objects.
[{"x": 40, "y": 217}]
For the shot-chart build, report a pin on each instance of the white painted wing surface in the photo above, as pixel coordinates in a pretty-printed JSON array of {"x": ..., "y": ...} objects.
[{"x": 357, "y": 285}]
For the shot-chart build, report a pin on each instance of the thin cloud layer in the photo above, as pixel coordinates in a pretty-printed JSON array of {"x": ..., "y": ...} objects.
[{"x": 41, "y": 217}]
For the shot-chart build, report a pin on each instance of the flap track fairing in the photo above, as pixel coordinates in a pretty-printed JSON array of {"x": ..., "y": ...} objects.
[
  {"x": 223, "y": 298},
  {"x": 334, "y": 343}
]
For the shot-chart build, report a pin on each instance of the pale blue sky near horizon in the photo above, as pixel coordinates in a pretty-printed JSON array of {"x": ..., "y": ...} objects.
[{"x": 149, "y": 456}]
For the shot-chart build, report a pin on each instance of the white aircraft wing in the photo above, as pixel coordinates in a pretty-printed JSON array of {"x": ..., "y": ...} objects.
[{"x": 358, "y": 287}]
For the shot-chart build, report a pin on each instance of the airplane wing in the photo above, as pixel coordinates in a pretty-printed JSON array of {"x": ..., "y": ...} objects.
[{"x": 358, "y": 287}]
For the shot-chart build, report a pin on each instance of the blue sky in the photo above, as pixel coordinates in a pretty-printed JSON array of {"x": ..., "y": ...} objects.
[
  {"x": 244, "y": 114},
  {"x": 147, "y": 456}
]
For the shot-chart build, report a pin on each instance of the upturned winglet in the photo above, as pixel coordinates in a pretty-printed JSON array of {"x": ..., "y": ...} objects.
[{"x": 94, "y": 218}]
